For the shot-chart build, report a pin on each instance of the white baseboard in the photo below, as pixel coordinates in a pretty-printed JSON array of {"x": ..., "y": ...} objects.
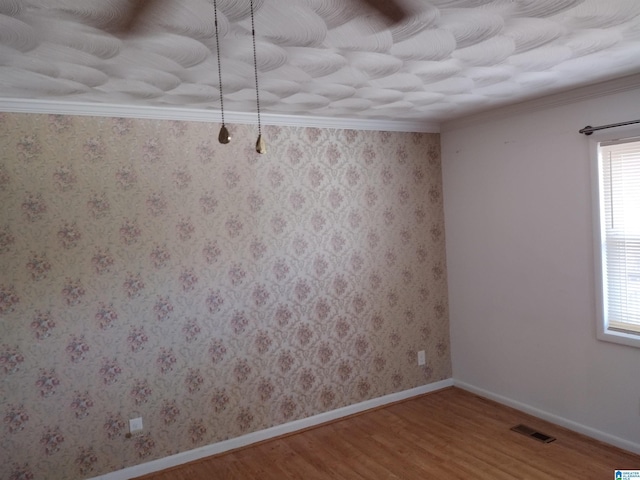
[
  {"x": 550, "y": 417},
  {"x": 273, "y": 432}
]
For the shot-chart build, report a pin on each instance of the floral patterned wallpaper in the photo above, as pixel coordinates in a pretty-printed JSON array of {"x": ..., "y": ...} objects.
[{"x": 147, "y": 270}]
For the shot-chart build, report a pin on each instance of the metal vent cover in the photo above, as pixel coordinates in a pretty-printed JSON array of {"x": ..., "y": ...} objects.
[{"x": 531, "y": 432}]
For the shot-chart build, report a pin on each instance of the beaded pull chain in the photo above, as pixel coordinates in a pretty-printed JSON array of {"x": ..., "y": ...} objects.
[
  {"x": 260, "y": 145},
  {"x": 223, "y": 136}
]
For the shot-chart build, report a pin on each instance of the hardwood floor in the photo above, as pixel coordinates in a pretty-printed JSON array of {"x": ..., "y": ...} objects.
[{"x": 447, "y": 434}]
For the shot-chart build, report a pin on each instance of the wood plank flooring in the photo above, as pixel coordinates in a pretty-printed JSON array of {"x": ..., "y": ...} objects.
[{"x": 447, "y": 434}]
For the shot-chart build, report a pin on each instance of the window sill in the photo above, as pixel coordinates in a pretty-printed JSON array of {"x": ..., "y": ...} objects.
[{"x": 629, "y": 339}]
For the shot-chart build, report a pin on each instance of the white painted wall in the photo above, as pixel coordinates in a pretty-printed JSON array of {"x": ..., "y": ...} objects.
[{"x": 518, "y": 211}]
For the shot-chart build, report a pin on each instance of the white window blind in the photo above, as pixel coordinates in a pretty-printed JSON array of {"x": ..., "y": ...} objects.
[{"x": 619, "y": 171}]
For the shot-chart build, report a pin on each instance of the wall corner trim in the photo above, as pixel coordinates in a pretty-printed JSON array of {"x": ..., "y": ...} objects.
[
  {"x": 269, "y": 433},
  {"x": 550, "y": 417}
]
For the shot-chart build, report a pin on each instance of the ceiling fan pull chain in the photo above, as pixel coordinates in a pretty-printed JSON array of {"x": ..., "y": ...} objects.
[
  {"x": 223, "y": 136},
  {"x": 260, "y": 145}
]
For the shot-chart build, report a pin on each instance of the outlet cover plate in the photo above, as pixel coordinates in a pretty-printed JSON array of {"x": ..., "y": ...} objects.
[
  {"x": 421, "y": 358},
  {"x": 135, "y": 425}
]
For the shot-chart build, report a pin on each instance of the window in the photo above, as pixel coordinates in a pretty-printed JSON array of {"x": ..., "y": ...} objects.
[{"x": 618, "y": 240}]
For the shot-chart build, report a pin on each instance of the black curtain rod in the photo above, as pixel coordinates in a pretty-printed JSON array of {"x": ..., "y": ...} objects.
[{"x": 588, "y": 130}]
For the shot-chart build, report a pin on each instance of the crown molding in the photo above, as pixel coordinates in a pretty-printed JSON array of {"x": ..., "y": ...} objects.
[
  {"x": 55, "y": 107},
  {"x": 565, "y": 97}
]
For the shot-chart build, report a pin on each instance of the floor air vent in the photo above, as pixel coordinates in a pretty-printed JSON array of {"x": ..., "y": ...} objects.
[{"x": 530, "y": 432}]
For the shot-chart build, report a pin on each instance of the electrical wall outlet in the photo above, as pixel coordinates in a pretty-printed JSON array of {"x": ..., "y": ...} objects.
[
  {"x": 422, "y": 358},
  {"x": 135, "y": 425}
]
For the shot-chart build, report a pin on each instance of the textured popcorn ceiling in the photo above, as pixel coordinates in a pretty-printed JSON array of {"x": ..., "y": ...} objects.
[{"x": 323, "y": 58}]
